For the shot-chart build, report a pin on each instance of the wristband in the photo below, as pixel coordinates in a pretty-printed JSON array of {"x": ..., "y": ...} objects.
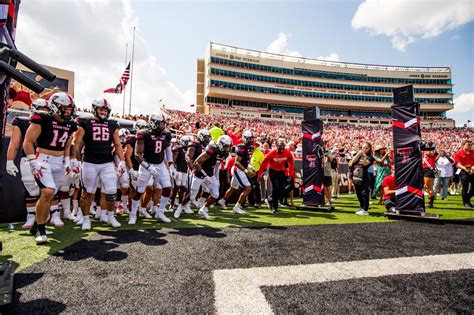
[
  {"x": 67, "y": 160},
  {"x": 145, "y": 164}
]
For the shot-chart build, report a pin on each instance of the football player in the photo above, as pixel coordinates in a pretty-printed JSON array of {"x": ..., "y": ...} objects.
[
  {"x": 182, "y": 175},
  {"x": 98, "y": 135},
  {"x": 52, "y": 134},
  {"x": 20, "y": 125},
  {"x": 194, "y": 150},
  {"x": 151, "y": 149},
  {"x": 241, "y": 173},
  {"x": 205, "y": 170}
]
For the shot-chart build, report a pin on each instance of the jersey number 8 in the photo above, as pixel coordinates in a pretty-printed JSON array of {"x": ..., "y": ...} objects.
[
  {"x": 100, "y": 133},
  {"x": 158, "y": 146}
]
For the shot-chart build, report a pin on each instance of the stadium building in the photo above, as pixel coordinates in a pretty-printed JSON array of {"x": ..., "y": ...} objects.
[{"x": 237, "y": 82}]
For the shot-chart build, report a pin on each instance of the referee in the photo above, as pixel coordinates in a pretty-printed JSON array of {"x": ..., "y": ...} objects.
[{"x": 276, "y": 162}]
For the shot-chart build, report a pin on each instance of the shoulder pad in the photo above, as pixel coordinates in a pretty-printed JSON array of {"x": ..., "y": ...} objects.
[
  {"x": 212, "y": 149},
  {"x": 37, "y": 117}
]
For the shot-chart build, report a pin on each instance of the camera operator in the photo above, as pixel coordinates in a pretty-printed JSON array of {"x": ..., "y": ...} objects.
[
  {"x": 360, "y": 176},
  {"x": 464, "y": 160}
]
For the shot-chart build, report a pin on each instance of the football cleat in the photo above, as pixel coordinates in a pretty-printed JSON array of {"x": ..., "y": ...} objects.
[
  {"x": 221, "y": 203},
  {"x": 132, "y": 219},
  {"x": 86, "y": 224},
  {"x": 160, "y": 215},
  {"x": 56, "y": 220},
  {"x": 178, "y": 211},
  {"x": 112, "y": 220},
  {"x": 30, "y": 219}
]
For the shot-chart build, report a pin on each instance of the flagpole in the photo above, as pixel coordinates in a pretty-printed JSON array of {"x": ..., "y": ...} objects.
[
  {"x": 123, "y": 103},
  {"x": 131, "y": 73}
]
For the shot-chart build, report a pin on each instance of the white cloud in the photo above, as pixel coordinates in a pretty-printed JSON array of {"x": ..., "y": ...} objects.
[
  {"x": 406, "y": 21},
  {"x": 280, "y": 46},
  {"x": 331, "y": 57},
  {"x": 463, "y": 109},
  {"x": 89, "y": 38}
]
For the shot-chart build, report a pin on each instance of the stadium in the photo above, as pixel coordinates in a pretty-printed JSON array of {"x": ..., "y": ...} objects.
[{"x": 238, "y": 82}]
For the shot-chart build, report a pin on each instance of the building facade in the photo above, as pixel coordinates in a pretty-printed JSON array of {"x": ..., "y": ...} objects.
[{"x": 238, "y": 82}]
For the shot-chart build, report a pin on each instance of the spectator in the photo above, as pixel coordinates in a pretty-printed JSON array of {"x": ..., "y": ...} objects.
[
  {"x": 444, "y": 165},
  {"x": 360, "y": 164}
]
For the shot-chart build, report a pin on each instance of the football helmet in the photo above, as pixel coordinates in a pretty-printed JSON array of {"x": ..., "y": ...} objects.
[
  {"x": 123, "y": 134},
  {"x": 139, "y": 125},
  {"x": 157, "y": 122},
  {"x": 57, "y": 104},
  {"x": 247, "y": 137},
  {"x": 204, "y": 136},
  {"x": 39, "y": 104},
  {"x": 224, "y": 143},
  {"x": 101, "y": 103},
  {"x": 184, "y": 141}
]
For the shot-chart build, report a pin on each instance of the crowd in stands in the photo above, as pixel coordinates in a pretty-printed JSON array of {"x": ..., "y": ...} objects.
[{"x": 338, "y": 136}]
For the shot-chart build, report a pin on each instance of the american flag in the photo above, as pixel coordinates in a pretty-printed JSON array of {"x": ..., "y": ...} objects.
[{"x": 123, "y": 82}]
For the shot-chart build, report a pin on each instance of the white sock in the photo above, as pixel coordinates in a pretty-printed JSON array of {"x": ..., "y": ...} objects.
[
  {"x": 66, "y": 204},
  {"x": 201, "y": 200},
  {"x": 163, "y": 202},
  {"x": 86, "y": 217},
  {"x": 124, "y": 201},
  {"x": 135, "y": 206},
  {"x": 31, "y": 210},
  {"x": 75, "y": 205},
  {"x": 53, "y": 209}
]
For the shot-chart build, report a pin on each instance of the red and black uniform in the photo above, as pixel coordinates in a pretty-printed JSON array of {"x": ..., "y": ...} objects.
[
  {"x": 467, "y": 178},
  {"x": 155, "y": 145},
  {"x": 132, "y": 140},
  {"x": 181, "y": 165},
  {"x": 215, "y": 157},
  {"x": 245, "y": 152},
  {"x": 98, "y": 140},
  {"x": 54, "y": 134},
  {"x": 429, "y": 166},
  {"x": 198, "y": 149}
]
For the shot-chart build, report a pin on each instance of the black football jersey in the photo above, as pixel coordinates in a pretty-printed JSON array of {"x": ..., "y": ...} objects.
[
  {"x": 131, "y": 140},
  {"x": 245, "y": 152},
  {"x": 181, "y": 165},
  {"x": 215, "y": 156},
  {"x": 198, "y": 149},
  {"x": 22, "y": 123},
  {"x": 98, "y": 140},
  {"x": 155, "y": 145},
  {"x": 54, "y": 134}
]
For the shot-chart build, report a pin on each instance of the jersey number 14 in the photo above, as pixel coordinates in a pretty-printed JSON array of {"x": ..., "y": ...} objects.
[{"x": 62, "y": 140}]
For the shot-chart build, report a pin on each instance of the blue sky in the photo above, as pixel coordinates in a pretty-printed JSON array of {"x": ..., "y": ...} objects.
[{"x": 177, "y": 33}]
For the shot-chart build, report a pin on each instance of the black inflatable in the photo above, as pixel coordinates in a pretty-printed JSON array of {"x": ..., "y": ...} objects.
[
  {"x": 407, "y": 152},
  {"x": 313, "y": 153}
]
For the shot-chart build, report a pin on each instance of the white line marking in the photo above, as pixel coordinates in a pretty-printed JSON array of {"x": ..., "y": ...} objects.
[{"x": 237, "y": 291}]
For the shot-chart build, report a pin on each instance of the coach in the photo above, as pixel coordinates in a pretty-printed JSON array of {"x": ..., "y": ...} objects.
[
  {"x": 276, "y": 160},
  {"x": 464, "y": 160}
]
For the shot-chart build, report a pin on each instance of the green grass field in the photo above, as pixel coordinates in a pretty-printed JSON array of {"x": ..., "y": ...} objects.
[{"x": 20, "y": 246}]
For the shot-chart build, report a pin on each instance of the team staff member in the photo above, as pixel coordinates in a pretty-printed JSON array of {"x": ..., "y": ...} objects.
[
  {"x": 276, "y": 160},
  {"x": 464, "y": 160}
]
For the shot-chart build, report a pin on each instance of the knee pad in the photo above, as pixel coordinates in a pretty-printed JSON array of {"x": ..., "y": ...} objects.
[
  {"x": 215, "y": 195},
  {"x": 30, "y": 199},
  {"x": 110, "y": 197},
  {"x": 32, "y": 188}
]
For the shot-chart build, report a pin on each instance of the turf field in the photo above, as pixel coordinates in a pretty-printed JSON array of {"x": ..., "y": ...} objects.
[{"x": 176, "y": 264}]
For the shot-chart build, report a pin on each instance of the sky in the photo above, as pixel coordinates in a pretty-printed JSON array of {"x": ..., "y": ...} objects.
[{"x": 89, "y": 38}]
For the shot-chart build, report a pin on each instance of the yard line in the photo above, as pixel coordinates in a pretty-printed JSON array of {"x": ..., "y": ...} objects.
[{"x": 237, "y": 291}]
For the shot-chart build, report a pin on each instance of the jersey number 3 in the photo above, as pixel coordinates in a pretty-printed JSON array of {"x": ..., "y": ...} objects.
[
  {"x": 62, "y": 140},
  {"x": 100, "y": 133}
]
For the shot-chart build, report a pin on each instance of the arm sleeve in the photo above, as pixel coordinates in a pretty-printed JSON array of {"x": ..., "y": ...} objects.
[{"x": 169, "y": 155}]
